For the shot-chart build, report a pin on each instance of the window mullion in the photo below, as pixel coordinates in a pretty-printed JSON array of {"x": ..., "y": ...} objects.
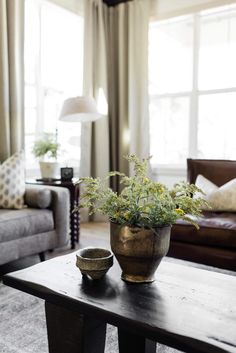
[
  {"x": 193, "y": 123},
  {"x": 171, "y": 95}
]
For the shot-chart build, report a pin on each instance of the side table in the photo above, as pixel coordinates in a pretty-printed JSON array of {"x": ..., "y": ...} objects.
[{"x": 74, "y": 201}]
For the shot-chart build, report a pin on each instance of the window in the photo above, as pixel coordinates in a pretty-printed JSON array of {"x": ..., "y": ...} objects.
[
  {"x": 53, "y": 72},
  {"x": 192, "y": 87}
]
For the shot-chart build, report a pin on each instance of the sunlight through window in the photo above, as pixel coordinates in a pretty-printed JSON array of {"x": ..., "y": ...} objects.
[
  {"x": 53, "y": 72},
  {"x": 192, "y": 86}
]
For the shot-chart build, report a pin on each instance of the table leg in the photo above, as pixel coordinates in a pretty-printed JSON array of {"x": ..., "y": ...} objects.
[
  {"x": 132, "y": 343},
  {"x": 74, "y": 217},
  {"x": 71, "y": 332},
  {"x": 72, "y": 225}
]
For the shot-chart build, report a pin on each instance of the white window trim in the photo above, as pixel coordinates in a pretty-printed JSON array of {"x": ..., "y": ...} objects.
[
  {"x": 194, "y": 94},
  {"x": 165, "y": 9},
  {"x": 75, "y": 6}
]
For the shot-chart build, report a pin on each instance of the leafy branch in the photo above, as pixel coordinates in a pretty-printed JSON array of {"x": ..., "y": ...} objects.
[
  {"x": 142, "y": 202},
  {"x": 47, "y": 145}
]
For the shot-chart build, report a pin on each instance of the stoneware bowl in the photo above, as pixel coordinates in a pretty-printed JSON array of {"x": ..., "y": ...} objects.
[{"x": 94, "y": 262}]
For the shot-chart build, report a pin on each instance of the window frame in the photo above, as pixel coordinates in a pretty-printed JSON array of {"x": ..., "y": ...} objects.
[
  {"x": 193, "y": 94},
  {"x": 40, "y": 88}
]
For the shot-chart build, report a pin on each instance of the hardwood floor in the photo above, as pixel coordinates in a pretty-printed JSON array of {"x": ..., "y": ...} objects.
[
  {"x": 91, "y": 234},
  {"x": 94, "y": 234}
]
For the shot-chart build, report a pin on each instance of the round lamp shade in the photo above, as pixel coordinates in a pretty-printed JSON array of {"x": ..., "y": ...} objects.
[{"x": 79, "y": 109}]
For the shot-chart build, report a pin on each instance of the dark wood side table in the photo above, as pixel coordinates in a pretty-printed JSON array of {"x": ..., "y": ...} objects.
[{"x": 74, "y": 201}]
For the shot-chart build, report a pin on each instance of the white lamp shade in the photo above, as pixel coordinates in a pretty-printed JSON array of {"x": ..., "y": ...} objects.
[{"x": 79, "y": 109}]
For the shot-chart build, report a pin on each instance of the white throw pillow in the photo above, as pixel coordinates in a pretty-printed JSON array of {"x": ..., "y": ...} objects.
[
  {"x": 205, "y": 185},
  {"x": 221, "y": 198},
  {"x": 12, "y": 182}
]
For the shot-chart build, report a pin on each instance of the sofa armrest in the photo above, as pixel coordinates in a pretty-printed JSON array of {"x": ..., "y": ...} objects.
[
  {"x": 38, "y": 198},
  {"x": 60, "y": 205}
]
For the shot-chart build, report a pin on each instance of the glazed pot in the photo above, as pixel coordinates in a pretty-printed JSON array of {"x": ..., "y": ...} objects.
[
  {"x": 139, "y": 251},
  {"x": 49, "y": 170}
]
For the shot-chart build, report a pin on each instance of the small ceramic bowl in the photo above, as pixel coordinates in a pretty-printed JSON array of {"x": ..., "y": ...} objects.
[{"x": 94, "y": 262}]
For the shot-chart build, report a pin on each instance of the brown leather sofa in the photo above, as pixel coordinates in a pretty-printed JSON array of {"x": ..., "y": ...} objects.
[{"x": 214, "y": 243}]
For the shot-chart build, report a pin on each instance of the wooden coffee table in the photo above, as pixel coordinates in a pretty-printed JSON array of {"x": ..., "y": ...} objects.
[{"x": 187, "y": 308}]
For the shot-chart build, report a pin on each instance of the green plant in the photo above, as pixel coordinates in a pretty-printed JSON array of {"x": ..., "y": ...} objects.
[
  {"x": 46, "y": 146},
  {"x": 142, "y": 202}
]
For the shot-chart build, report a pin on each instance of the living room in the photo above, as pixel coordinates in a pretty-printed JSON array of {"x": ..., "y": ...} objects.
[{"x": 99, "y": 82}]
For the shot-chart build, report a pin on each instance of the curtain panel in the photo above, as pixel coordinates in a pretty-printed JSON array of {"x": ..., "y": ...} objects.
[
  {"x": 95, "y": 136},
  {"x": 11, "y": 77},
  {"x": 128, "y": 82},
  {"x": 116, "y": 55}
]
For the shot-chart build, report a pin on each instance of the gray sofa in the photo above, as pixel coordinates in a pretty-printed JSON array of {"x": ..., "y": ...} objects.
[{"x": 42, "y": 225}]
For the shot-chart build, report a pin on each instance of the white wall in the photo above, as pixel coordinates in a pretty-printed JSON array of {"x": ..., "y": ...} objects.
[
  {"x": 71, "y": 5},
  {"x": 161, "y": 9}
]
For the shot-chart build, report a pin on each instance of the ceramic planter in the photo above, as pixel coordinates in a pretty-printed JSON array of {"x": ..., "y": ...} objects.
[
  {"x": 139, "y": 251},
  {"x": 94, "y": 262},
  {"x": 49, "y": 170}
]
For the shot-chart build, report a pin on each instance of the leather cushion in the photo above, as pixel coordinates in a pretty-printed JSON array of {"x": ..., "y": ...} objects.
[
  {"x": 216, "y": 229},
  {"x": 15, "y": 224},
  {"x": 217, "y": 171}
]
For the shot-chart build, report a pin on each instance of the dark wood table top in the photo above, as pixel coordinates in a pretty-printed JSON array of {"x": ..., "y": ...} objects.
[{"x": 187, "y": 308}]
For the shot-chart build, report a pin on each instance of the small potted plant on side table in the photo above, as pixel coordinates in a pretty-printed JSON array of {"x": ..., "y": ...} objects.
[
  {"x": 46, "y": 149},
  {"x": 141, "y": 217}
]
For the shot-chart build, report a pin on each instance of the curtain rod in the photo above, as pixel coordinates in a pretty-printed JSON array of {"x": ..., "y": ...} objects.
[{"x": 114, "y": 2}]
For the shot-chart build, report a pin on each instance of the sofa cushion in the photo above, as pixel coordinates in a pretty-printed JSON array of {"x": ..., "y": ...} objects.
[
  {"x": 12, "y": 182},
  {"x": 221, "y": 198},
  {"x": 216, "y": 229},
  {"x": 205, "y": 185},
  {"x": 38, "y": 198},
  {"x": 15, "y": 224}
]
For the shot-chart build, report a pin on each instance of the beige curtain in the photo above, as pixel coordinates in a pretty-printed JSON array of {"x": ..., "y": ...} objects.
[
  {"x": 11, "y": 77},
  {"x": 128, "y": 82},
  {"x": 95, "y": 136},
  {"x": 116, "y": 56}
]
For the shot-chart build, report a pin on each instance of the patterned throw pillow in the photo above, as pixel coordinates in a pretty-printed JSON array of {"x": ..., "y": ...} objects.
[{"x": 12, "y": 182}]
